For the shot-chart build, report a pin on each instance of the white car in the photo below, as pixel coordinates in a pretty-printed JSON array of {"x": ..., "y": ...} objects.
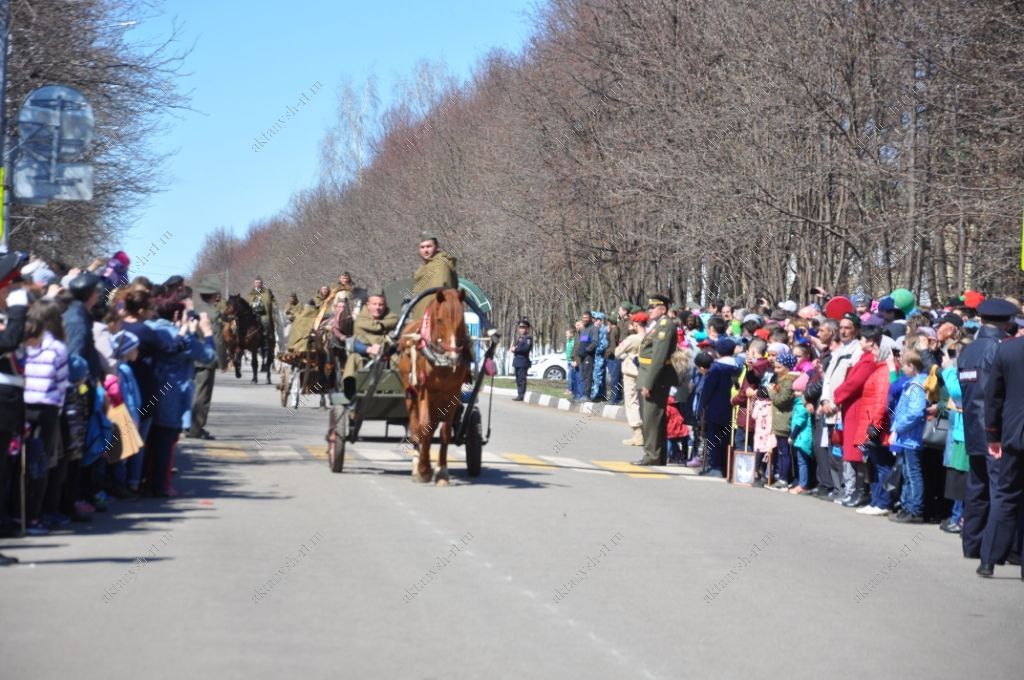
[{"x": 549, "y": 367}]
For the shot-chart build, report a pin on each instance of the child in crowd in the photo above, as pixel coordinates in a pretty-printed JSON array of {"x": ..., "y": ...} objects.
[
  {"x": 907, "y": 428},
  {"x": 122, "y": 388},
  {"x": 46, "y": 382},
  {"x": 801, "y": 437},
  {"x": 74, "y": 425},
  {"x": 782, "y": 399}
]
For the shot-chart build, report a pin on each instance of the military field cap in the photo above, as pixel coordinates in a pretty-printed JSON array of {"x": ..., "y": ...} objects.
[
  {"x": 524, "y": 323},
  {"x": 997, "y": 309},
  {"x": 655, "y": 299},
  {"x": 427, "y": 235},
  {"x": 207, "y": 287}
]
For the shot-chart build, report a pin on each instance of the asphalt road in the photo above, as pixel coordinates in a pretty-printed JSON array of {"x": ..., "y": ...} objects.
[{"x": 267, "y": 565}]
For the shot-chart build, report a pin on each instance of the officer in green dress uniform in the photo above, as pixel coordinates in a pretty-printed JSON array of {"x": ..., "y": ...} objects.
[
  {"x": 656, "y": 378},
  {"x": 211, "y": 302}
]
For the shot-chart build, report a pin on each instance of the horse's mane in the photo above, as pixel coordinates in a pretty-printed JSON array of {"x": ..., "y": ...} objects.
[
  {"x": 444, "y": 313},
  {"x": 448, "y": 312},
  {"x": 240, "y": 306}
]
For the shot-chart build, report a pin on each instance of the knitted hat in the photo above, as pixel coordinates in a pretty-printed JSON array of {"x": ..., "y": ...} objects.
[
  {"x": 786, "y": 359},
  {"x": 778, "y": 348},
  {"x": 78, "y": 368},
  {"x": 124, "y": 343}
]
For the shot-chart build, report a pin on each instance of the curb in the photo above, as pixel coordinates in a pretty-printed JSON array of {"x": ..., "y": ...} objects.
[{"x": 546, "y": 400}]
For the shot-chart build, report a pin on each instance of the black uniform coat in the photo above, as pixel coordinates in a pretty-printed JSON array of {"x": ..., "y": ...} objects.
[
  {"x": 524, "y": 345},
  {"x": 973, "y": 367},
  {"x": 1004, "y": 396}
]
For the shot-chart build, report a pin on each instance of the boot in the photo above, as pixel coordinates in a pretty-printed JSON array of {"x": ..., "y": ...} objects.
[{"x": 637, "y": 439}]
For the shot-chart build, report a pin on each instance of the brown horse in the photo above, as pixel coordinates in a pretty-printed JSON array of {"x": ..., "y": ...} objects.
[
  {"x": 242, "y": 332},
  {"x": 433, "y": 364}
]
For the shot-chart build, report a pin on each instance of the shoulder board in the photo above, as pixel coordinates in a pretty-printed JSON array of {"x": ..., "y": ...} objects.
[{"x": 663, "y": 322}]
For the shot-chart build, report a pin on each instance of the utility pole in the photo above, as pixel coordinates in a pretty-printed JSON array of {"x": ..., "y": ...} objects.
[{"x": 5, "y": 6}]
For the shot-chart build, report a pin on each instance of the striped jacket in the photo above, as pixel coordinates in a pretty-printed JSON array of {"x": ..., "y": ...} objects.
[{"x": 46, "y": 372}]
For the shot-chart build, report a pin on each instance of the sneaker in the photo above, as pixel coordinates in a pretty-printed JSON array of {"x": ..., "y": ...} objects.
[
  {"x": 904, "y": 517},
  {"x": 872, "y": 511},
  {"x": 779, "y": 485},
  {"x": 694, "y": 463},
  {"x": 36, "y": 528},
  {"x": 84, "y": 508}
]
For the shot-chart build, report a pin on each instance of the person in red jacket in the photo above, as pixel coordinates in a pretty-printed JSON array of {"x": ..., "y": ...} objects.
[
  {"x": 849, "y": 397},
  {"x": 874, "y": 439}
]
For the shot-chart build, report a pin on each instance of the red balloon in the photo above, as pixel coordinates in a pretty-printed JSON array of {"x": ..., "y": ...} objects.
[{"x": 837, "y": 307}]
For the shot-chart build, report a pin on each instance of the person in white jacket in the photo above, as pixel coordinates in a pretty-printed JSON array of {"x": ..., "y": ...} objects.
[{"x": 626, "y": 350}]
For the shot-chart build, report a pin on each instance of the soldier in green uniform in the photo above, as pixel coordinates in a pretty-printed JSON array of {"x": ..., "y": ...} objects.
[
  {"x": 656, "y": 378},
  {"x": 293, "y": 307},
  {"x": 262, "y": 301},
  {"x": 437, "y": 271},
  {"x": 211, "y": 302},
  {"x": 371, "y": 327}
]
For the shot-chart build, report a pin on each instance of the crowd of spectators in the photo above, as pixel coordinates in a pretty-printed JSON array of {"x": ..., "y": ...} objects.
[
  {"x": 96, "y": 385},
  {"x": 849, "y": 399}
]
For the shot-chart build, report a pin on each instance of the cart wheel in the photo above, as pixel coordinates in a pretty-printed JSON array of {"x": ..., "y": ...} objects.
[
  {"x": 336, "y": 451},
  {"x": 474, "y": 445}
]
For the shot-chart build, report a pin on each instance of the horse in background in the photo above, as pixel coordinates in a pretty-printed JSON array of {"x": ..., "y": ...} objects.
[
  {"x": 242, "y": 332},
  {"x": 433, "y": 365}
]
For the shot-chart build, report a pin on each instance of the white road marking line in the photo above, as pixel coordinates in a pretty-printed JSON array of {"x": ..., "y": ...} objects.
[{"x": 578, "y": 465}]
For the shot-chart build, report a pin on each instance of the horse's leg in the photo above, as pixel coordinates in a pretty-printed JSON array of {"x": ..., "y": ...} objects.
[
  {"x": 255, "y": 364},
  {"x": 441, "y": 478},
  {"x": 238, "y": 362},
  {"x": 419, "y": 424},
  {"x": 268, "y": 360}
]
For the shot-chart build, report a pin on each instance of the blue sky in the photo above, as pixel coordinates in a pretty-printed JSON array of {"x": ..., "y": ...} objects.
[{"x": 251, "y": 61}]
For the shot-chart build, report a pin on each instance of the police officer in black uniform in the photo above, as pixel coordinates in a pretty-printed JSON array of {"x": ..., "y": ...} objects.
[
  {"x": 1004, "y": 427},
  {"x": 521, "y": 360},
  {"x": 973, "y": 368},
  {"x": 12, "y": 383}
]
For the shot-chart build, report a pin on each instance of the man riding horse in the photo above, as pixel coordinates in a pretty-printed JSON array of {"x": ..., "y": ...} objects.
[
  {"x": 435, "y": 357},
  {"x": 262, "y": 301}
]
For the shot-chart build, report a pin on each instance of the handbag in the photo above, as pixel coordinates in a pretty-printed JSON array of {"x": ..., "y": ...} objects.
[
  {"x": 895, "y": 478},
  {"x": 936, "y": 432}
]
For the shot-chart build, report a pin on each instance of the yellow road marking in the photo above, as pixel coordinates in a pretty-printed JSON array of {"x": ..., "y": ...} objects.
[
  {"x": 232, "y": 451},
  {"x": 318, "y": 451},
  {"x": 630, "y": 469},
  {"x": 524, "y": 459}
]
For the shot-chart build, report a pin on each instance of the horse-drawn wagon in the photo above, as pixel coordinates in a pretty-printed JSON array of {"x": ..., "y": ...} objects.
[
  {"x": 424, "y": 379},
  {"x": 315, "y": 351}
]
